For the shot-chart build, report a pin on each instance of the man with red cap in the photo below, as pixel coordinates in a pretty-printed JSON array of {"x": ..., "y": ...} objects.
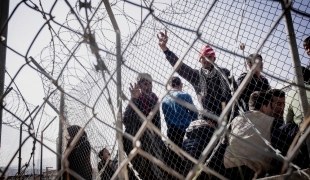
[{"x": 210, "y": 86}]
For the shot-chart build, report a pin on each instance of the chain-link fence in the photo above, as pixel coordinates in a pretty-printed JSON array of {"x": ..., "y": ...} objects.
[{"x": 156, "y": 89}]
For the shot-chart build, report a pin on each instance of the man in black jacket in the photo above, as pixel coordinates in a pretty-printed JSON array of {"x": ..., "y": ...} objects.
[
  {"x": 79, "y": 158},
  {"x": 212, "y": 90},
  {"x": 145, "y": 100},
  {"x": 257, "y": 83}
]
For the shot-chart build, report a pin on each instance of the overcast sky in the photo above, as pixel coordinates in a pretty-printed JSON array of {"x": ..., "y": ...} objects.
[{"x": 143, "y": 54}]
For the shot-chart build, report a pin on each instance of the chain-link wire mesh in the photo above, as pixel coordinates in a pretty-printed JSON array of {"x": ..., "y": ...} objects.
[{"x": 156, "y": 89}]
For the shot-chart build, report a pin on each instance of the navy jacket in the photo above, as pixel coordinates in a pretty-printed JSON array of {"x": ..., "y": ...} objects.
[
  {"x": 196, "y": 139},
  {"x": 282, "y": 137}
]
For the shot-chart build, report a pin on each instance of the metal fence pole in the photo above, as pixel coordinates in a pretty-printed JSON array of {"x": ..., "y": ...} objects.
[
  {"x": 41, "y": 160},
  {"x": 4, "y": 13},
  {"x": 60, "y": 129},
  {"x": 299, "y": 80},
  {"x": 20, "y": 148},
  {"x": 124, "y": 173},
  {"x": 47, "y": 172}
]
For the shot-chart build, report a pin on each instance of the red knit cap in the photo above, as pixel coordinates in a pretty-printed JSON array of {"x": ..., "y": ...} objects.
[{"x": 206, "y": 50}]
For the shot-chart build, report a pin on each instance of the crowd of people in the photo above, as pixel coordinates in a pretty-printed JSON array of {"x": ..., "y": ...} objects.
[{"x": 264, "y": 119}]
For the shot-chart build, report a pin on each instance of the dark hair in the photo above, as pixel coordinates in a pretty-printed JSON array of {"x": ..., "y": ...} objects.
[
  {"x": 203, "y": 117},
  {"x": 174, "y": 81},
  {"x": 306, "y": 42},
  {"x": 252, "y": 55},
  {"x": 72, "y": 131},
  {"x": 306, "y": 73},
  {"x": 276, "y": 93},
  {"x": 258, "y": 99},
  {"x": 101, "y": 152}
]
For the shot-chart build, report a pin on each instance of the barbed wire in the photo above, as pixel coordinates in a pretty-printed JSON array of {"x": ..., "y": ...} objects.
[{"x": 79, "y": 58}]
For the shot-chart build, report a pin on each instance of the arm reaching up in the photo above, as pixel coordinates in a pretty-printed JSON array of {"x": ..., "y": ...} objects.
[
  {"x": 188, "y": 73},
  {"x": 162, "y": 40}
]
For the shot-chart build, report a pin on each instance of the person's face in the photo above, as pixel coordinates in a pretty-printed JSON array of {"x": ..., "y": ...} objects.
[
  {"x": 212, "y": 124},
  {"x": 307, "y": 49},
  {"x": 277, "y": 106},
  {"x": 266, "y": 109},
  {"x": 106, "y": 154},
  {"x": 181, "y": 86},
  {"x": 204, "y": 61},
  {"x": 146, "y": 87},
  {"x": 260, "y": 65}
]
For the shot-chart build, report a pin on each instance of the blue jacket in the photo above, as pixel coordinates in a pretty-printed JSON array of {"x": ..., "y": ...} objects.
[{"x": 176, "y": 114}]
